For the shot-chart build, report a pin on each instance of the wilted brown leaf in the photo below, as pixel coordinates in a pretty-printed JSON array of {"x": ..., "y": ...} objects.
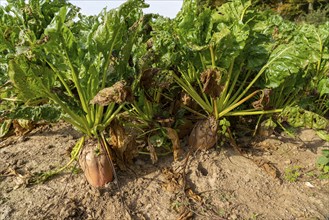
[
  {"x": 22, "y": 177},
  {"x": 185, "y": 214},
  {"x": 173, "y": 180},
  {"x": 147, "y": 80},
  {"x": 268, "y": 167},
  {"x": 210, "y": 79},
  {"x": 192, "y": 195},
  {"x": 123, "y": 144},
  {"x": 263, "y": 100},
  {"x": 204, "y": 134},
  {"x": 266, "y": 128},
  {"x": 166, "y": 122},
  {"x": 153, "y": 154},
  {"x": 184, "y": 128},
  {"x": 173, "y": 136},
  {"x": 22, "y": 126},
  {"x": 186, "y": 99},
  {"x": 117, "y": 93}
]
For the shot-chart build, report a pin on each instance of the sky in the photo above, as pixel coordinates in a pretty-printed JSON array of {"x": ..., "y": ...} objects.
[{"x": 168, "y": 8}]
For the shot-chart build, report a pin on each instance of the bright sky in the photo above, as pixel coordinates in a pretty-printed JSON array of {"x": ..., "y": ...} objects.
[{"x": 168, "y": 8}]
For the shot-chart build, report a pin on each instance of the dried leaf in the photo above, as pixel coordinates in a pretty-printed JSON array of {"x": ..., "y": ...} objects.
[
  {"x": 173, "y": 136},
  {"x": 173, "y": 180},
  {"x": 210, "y": 79},
  {"x": 123, "y": 144},
  {"x": 186, "y": 99},
  {"x": 184, "y": 127},
  {"x": 268, "y": 167},
  {"x": 185, "y": 214},
  {"x": 153, "y": 154},
  {"x": 22, "y": 126},
  {"x": 263, "y": 100},
  {"x": 118, "y": 93},
  {"x": 266, "y": 128},
  {"x": 204, "y": 134},
  {"x": 166, "y": 122},
  {"x": 192, "y": 195},
  {"x": 22, "y": 178},
  {"x": 117, "y": 135},
  {"x": 147, "y": 80}
]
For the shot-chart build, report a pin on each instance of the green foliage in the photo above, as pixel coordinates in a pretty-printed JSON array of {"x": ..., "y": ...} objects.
[
  {"x": 78, "y": 59},
  {"x": 313, "y": 11},
  {"x": 298, "y": 117},
  {"x": 22, "y": 25},
  {"x": 45, "y": 112},
  {"x": 323, "y": 161},
  {"x": 223, "y": 131},
  {"x": 292, "y": 173},
  {"x": 5, "y": 127},
  {"x": 234, "y": 48},
  {"x": 32, "y": 80},
  {"x": 231, "y": 59}
]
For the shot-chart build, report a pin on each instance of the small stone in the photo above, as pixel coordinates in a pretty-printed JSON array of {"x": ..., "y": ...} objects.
[
  {"x": 310, "y": 185},
  {"x": 233, "y": 216}
]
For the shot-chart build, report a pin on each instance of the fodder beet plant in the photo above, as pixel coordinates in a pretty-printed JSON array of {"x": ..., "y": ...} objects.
[
  {"x": 236, "y": 61},
  {"x": 211, "y": 62},
  {"x": 78, "y": 64}
]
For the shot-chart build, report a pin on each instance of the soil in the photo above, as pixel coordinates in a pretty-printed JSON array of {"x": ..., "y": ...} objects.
[{"x": 272, "y": 178}]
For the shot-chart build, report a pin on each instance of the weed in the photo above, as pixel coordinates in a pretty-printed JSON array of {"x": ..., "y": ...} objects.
[
  {"x": 324, "y": 176},
  {"x": 292, "y": 173},
  {"x": 254, "y": 216},
  {"x": 323, "y": 161},
  {"x": 221, "y": 212}
]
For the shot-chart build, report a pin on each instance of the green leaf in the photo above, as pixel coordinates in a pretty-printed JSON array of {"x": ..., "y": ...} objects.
[
  {"x": 233, "y": 44},
  {"x": 323, "y": 135},
  {"x": 36, "y": 113},
  {"x": 323, "y": 87},
  {"x": 325, "y": 152},
  {"x": 157, "y": 140},
  {"x": 88, "y": 56},
  {"x": 233, "y": 11},
  {"x": 31, "y": 80},
  {"x": 326, "y": 169},
  {"x": 194, "y": 24},
  {"x": 299, "y": 117},
  {"x": 322, "y": 161},
  {"x": 5, "y": 127},
  {"x": 284, "y": 61}
]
